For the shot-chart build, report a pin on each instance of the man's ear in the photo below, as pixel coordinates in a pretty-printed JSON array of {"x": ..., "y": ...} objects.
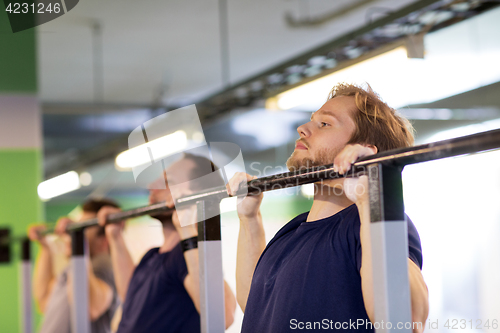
[{"x": 373, "y": 148}]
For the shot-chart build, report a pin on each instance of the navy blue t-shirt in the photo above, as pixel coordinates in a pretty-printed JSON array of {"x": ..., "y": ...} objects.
[
  {"x": 309, "y": 272},
  {"x": 156, "y": 299}
]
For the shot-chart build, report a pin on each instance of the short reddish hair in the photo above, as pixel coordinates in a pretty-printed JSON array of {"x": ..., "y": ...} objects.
[{"x": 376, "y": 123}]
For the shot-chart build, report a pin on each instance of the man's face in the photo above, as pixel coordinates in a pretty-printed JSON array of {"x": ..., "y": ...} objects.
[
  {"x": 94, "y": 240},
  {"x": 322, "y": 138},
  {"x": 91, "y": 232},
  {"x": 177, "y": 173},
  {"x": 159, "y": 191}
]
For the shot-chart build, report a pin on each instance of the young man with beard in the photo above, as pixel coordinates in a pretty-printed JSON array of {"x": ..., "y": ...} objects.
[
  {"x": 53, "y": 294},
  {"x": 318, "y": 266},
  {"x": 162, "y": 293}
]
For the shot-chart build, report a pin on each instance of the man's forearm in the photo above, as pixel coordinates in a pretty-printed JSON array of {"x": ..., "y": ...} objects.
[
  {"x": 100, "y": 295},
  {"x": 419, "y": 296},
  {"x": 366, "y": 270},
  {"x": 192, "y": 285},
  {"x": 43, "y": 278},
  {"x": 251, "y": 244},
  {"x": 230, "y": 304},
  {"x": 192, "y": 280},
  {"x": 123, "y": 266},
  {"x": 191, "y": 257},
  {"x": 418, "y": 288}
]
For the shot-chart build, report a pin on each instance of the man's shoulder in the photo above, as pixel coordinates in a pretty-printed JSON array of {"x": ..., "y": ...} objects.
[
  {"x": 291, "y": 225},
  {"x": 150, "y": 254},
  {"x": 153, "y": 259}
]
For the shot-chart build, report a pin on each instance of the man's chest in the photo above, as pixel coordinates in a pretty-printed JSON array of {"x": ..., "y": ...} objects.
[{"x": 297, "y": 260}]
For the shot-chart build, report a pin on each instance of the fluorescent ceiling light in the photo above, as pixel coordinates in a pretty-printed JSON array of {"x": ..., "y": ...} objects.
[
  {"x": 152, "y": 150},
  {"x": 313, "y": 94},
  {"x": 58, "y": 185},
  {"x": 400, "y": 81}
]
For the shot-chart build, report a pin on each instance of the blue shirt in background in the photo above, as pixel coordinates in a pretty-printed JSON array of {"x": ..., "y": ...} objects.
[
  {"x": 156, "y": 299},
  {"x": 309, "y": 272}
]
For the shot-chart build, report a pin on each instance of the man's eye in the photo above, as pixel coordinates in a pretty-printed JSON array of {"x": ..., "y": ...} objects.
[{"x": 323, "y": 124}]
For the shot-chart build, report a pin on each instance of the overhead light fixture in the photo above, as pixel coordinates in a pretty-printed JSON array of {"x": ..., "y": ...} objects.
[
  {"x": 155, "y": 149},
  {"x": 399, "y": 80},
  {"x": 58, "y": 185},
  {"x": 313, "y": 93}
]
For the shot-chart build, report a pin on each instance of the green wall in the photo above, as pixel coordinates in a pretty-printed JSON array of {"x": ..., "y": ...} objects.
[
  {"x": 17, "y": 58},
  {"x": 20, "y": 166},
  {"x": 19, "y": 206}
]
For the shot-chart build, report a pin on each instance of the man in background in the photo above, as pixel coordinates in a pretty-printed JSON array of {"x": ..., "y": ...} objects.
[
  {"x": 53, "y": 294},
  {"x": 162, "y": 294}
]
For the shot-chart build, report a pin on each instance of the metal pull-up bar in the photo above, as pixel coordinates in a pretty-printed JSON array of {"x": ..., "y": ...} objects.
[{"x": 116, "y": 217}]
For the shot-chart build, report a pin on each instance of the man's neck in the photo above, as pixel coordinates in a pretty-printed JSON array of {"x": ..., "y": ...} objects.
[
  {"x": 171, "y": 238},
  {"x": 329, "y": 199}
]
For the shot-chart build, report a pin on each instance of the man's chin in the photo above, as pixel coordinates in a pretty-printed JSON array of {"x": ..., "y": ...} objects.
[
  {"x": 295, "y": 165},
  {"x": 321, "y": 157}
]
